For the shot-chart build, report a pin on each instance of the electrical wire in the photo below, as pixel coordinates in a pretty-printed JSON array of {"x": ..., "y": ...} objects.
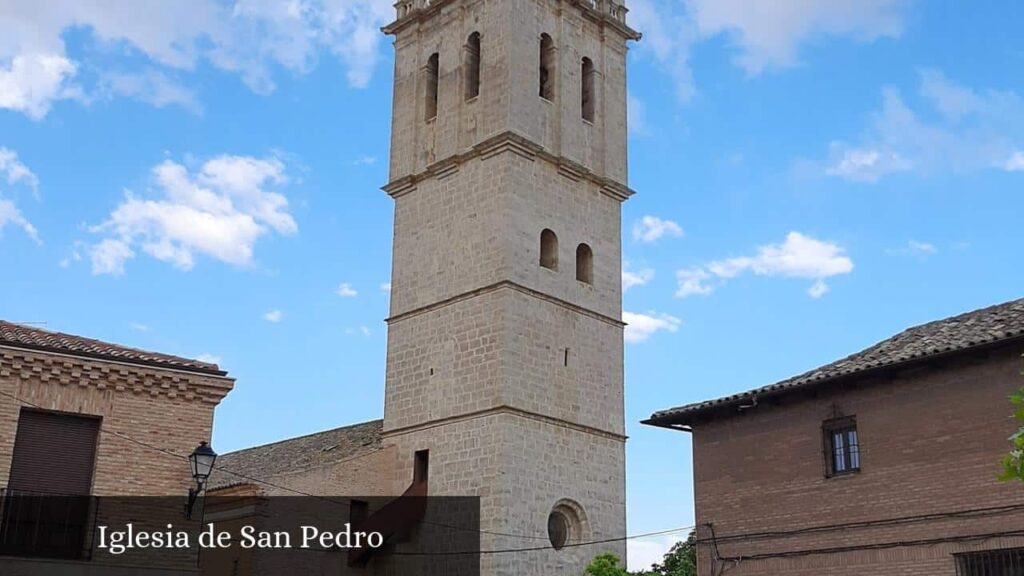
[
  {"x": 302, "y": 493},
  {"x": 991, "y": 511},
  {"x": 875, "y": 546},
  {"x": 716, "y": 540}
]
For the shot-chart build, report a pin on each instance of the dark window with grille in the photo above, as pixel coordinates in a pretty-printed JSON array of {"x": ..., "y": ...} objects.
[
  {"x": 1008, "y": 562},
  {"x": 842, "y": 447},
  {"x": 46, "y": 505}
]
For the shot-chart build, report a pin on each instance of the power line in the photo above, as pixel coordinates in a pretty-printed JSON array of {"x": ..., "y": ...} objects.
[
  {"x": 991, "y": 511},
  {"x": 876, "y": 546},
  {"x": 541, "y": 548},
  {"x": 259, "y": 480},
  {"x": 287, "y": 488},
  {"x": 727, "y": 538}
]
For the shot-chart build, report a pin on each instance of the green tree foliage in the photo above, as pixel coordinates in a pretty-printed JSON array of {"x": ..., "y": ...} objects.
[
  {"x": 606, "y": 565},
  {"x": 681, "y": 560},
  {"x": 1013, "y": 463}
]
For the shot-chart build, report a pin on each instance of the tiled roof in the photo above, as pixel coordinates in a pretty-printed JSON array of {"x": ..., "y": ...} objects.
[
  {"x": 294, "y": 454},
  {"x": 22, "y": 336},
  {"x": 952, "y": 335}
]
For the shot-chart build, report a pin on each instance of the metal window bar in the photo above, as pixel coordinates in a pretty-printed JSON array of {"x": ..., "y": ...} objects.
[
  {"x": 1006, "y": 562},
  {"x": 845, "y": 450},
  {"x": 38, "y": 525}
]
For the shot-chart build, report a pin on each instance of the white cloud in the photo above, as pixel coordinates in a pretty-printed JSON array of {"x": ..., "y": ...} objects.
[
  {"x": 109, "y": 256},
  {"x": 14, "y": 171},
  {"x": 769, "y": 33},
  {"x": 864, "y": 165},
  {"x": 220, "y": 212},
  {"x": 365, "y": 161},
  {"x": 640, "y": 327},
  {"x": 208, "y": 358},
  {"x": 957, "y": 129},
  {"x": 923, "y": 248},
  {"x": 362, "y": 330},
  {"x": 31, "y": 82},
  {"x": 345, "y": 290},
  {"x": 152, "y": 87},
  {"x": 632, "y": 278},
  {"x": 818, "y": 289},
  {"x": 668, "y": 35},
  {"x": 1015, "y": 163},
  {"x": 799, "y": 256},
  {"x": 636, "y": 112},
  {"x": 250, "y": 38},
  {"x": 274, "y": 316},
  {"x": 915, "y": 248},
  {"x": 138, "y": 326},
  {"x": 693, "y": 281},
  {"x": 643, "y": 552},
  {"x": 74, "y": 254},
  {"x": 9, "y": 214},
  {"x": 385, "y": 287},
  {"x": 651, "y": 229}
]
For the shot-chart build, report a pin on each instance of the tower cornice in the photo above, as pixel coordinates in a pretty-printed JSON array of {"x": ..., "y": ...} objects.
[
  {"x": 608, "y": 13},
  {"x": 509, "y": 141}
]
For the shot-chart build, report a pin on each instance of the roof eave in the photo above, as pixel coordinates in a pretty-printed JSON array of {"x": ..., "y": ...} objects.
[
  {"x": 687, "y": 418},
  {"x": 156, "y": 364}
]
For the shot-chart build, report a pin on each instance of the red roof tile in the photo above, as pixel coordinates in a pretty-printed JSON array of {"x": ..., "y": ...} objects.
[{"x": 22, "y": 336}]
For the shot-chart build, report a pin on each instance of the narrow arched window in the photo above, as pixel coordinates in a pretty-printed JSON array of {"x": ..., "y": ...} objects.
[
  {"x": 584, "y": 264},
  {"x": 432, "y": 71},
  {"x": 547, "y": 67},
  {"x": 472, "y": 66},
  {"x": 549, "y": 250},
  {"x": 588, "y": 89}
]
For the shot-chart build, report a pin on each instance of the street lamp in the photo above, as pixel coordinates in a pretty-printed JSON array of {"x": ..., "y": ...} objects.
[{"x": 201, "y": 461}]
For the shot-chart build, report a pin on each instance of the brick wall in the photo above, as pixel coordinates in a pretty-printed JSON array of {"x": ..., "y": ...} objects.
[
  {"x": 930, "y": 440},
  {"x": 170, "y": 409}
]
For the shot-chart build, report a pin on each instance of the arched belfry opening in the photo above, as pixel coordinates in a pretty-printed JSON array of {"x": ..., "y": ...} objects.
[
  {"x": 472, "y": 66},
  {"x": 549, "y": 250},
  {"x": 433, "y": 74},
  {"x": 584, "y": 264},
  {"x": 587, "y": 89},
  {"x": 547, "y": 67}
]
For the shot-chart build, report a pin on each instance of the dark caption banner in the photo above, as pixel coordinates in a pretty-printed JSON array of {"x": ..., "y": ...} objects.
[{"x": 239, "y": 536}]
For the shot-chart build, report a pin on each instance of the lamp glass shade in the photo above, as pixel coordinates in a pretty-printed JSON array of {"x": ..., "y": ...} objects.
[{"x": 201, "y": 460}]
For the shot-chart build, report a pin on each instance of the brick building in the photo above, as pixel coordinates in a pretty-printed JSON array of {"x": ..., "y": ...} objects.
[
  {"x": 88, "y": 418},
  {"x": 884, "y": 462}
]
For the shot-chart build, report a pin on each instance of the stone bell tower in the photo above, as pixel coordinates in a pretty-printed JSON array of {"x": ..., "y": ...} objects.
[{"x": 508, "y": 171}]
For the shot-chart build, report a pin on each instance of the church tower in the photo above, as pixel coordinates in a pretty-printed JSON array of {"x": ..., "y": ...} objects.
[{"x": 504, "y": 367}]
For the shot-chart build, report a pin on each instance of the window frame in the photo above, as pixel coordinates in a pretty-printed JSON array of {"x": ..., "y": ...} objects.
[
  {"x": 844, "y": 427},
  {"x": 983, "y": 561}
]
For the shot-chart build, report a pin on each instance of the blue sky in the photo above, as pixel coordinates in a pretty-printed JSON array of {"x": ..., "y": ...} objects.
[{"x": 203, "y": 179}]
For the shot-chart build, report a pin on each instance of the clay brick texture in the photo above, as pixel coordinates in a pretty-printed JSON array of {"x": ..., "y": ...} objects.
[
  {"x": 931, "y": 439},
  {"x": 169, "y": 409}
]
